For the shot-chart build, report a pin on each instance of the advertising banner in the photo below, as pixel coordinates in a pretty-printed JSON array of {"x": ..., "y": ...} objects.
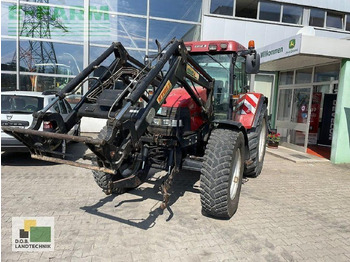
[
  {"x": 314, "y": 117},
  {"x": 281, "y": 49},
  {"x": 328, "y": 115}
]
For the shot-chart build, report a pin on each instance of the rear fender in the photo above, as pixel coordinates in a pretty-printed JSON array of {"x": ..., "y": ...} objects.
[
  {"x": 263, "y": 101},
  {"x": 237, "y": 126},
  {"x": 249, "y": 108}
]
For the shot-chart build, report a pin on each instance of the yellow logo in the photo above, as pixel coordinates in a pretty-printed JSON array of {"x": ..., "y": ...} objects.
[{"x": 165, "y": 92}]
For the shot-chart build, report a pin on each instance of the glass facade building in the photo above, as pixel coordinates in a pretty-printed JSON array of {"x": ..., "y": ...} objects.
[{"x": 45, "y": 43}]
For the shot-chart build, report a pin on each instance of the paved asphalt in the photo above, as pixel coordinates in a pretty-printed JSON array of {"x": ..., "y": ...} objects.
[{"x": 292, "y": 212}]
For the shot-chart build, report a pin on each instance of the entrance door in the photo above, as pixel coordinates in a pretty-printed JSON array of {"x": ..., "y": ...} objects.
[{"x": 293, "y": 116}]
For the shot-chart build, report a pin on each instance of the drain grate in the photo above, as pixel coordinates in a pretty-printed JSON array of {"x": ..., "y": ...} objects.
[{"x": 300, "y": 156}]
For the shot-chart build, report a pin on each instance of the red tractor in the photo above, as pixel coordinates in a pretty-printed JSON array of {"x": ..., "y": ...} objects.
[{"x": 197, "y": 116}]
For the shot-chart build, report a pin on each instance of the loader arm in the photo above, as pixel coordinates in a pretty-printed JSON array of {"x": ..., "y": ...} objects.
[{"x": 126, "y": 117}]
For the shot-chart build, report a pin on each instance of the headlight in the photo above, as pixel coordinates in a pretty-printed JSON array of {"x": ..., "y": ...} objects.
[
  {"x": 167, "y": 122},
  {"x": 157, "y": 121}
]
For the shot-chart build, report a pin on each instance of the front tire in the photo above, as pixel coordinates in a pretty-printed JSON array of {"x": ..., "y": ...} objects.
[
  {"x": 103, "y": 179},
  {"x": 222, "y": 172}
]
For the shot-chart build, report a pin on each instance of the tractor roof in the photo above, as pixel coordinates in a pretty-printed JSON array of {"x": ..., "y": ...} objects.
[{"x": 215, "y": 45}]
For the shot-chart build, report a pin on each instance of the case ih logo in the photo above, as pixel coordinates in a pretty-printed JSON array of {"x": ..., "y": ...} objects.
[
  {"x": 32, "y": 234},
  {"x": 292, "y": 44}
]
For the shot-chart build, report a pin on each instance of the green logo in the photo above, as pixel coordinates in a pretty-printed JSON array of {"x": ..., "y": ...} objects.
[
  {"x": 292, "y": 44},
  {"x": 46, "y": 22},
  {"x": 33, "y": 234}
]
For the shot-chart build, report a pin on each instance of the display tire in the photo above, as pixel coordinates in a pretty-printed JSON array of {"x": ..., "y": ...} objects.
[{"x": 221, "y": 173}]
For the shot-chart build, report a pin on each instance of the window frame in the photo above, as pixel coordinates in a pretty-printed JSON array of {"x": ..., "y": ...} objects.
[
  {"x": 257, "y": 11},
  {"x": 324, "y": 17},
  {"x": 331, "y": 27},
  {"x": 234, "y": 2},
  {"x": 270, "y": 2},
  {"x": 293, "y": 6}
]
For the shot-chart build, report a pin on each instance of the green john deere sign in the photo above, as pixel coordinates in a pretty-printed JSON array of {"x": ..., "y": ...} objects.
[{"x": 292, "y": 44}]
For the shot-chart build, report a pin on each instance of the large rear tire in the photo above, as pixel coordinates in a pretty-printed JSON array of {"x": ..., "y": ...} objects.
[
  {"x": 257, "y": 146},
  {"x": 221, "y": 173}
]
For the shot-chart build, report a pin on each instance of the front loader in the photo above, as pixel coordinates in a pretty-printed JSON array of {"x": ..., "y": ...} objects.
[{"x": 183, "y": 119}]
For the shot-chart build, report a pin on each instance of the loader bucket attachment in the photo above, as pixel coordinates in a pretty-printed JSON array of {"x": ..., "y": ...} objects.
[{"x": 119, "y": 94}]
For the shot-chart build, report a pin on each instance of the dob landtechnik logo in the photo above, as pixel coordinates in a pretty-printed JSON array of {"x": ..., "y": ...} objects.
[{"x": 32, "y": 234}]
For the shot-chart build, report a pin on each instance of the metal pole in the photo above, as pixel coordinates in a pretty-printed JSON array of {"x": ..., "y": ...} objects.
[
  {"x": 147, "y": 26},
  {"x": 17, "y": 47},
  {"x": 86, "y": 41}
]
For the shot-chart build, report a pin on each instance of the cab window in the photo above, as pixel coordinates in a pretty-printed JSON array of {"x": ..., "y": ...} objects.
[
  {"x": 240, "y": 79},
  {"x": 218, "y": 67}
]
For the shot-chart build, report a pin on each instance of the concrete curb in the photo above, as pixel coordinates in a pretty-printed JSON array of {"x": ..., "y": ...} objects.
[{"x": 295, "y": 156}]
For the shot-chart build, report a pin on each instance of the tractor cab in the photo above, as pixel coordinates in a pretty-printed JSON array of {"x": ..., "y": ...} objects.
[{"x": 226, "y": 62}]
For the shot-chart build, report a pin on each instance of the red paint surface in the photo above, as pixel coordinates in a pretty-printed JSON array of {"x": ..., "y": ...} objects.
[
  {"x": 247, "y": 119},
  {"x": 315, "y": 112},
  {"x": 320, "y": 151},
  {"x": 180, "y": 98}
]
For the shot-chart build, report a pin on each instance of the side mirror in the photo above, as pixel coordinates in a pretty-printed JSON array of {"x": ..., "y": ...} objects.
[{"x": 252, "y": 64}]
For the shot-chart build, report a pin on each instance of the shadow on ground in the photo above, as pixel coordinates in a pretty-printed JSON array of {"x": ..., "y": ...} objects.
[
  {"x": 74, "y": 150},
  {"x": 183, "y": 182}
]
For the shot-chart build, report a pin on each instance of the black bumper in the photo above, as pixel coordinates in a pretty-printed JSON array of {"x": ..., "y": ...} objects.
[{"x": 11, "y": 144}]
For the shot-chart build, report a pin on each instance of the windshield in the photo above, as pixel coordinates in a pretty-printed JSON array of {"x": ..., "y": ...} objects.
[
  {"x": 218, "y": 67},
  {"x": 21, "y": 104}
]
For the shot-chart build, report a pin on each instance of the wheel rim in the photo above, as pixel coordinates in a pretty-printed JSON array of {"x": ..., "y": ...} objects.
[
  {"x": 236, "y": 170},
  {"x": 262, "y": 141}
]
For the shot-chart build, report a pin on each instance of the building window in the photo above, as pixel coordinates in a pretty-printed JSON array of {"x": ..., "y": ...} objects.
[
  {"x": 247, "y": 9},
  {"x": 303, "y": 76},
  {"x": 180, "y": 10},
  {"x": 163, "y": 31},
  {"x": 221, "y": 7},
  {"x": 347, "y": 27},
  {"x": 316, "y": 17},
  {"x": 285, "y": 96},
  {"x": 130, "y": 31},
  {"x": 138, "y": 7},
  {"x": 286, "y": 78},
  {"x": 8, "y": 55},
  {"x": 327, "y": 73},
  {"x": 292, "y": 14},
  {"x": 270, "y": 11},
  {"x": 52, "y": 22},
  {"x": 334, "y": 20}
]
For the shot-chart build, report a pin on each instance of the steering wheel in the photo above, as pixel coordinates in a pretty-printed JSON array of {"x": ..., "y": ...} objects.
[{"x": 31, "y": 108}]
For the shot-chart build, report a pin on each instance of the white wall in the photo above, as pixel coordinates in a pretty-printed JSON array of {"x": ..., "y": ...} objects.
[
  {"x": 339, "y": 5},
  {"x": 263, "y": 33}
]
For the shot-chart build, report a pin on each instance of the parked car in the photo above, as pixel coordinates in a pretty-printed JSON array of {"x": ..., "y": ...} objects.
[{"x": 17, "y": 108}]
